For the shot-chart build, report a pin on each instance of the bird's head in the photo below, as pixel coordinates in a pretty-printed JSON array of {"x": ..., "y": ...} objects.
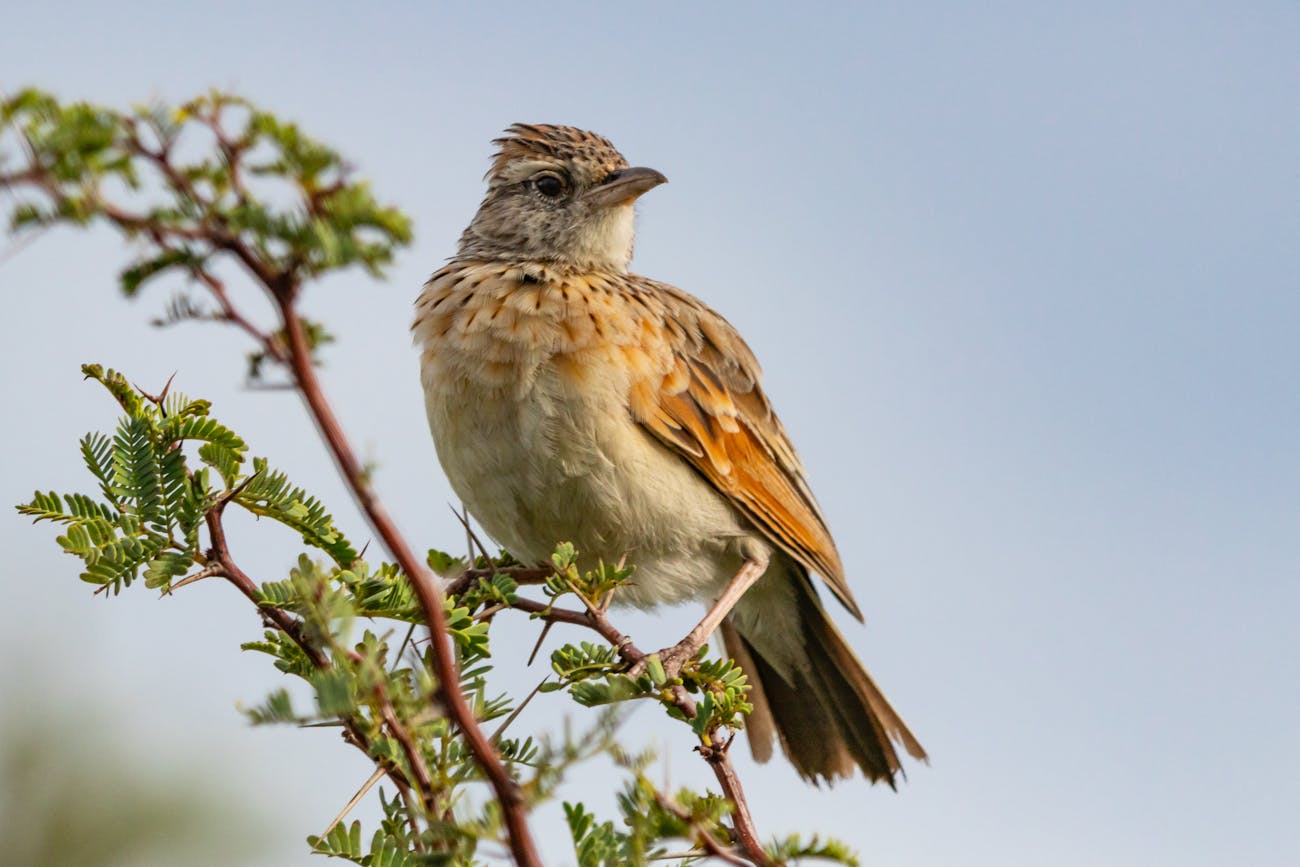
[{"x": 558, "y": 195}]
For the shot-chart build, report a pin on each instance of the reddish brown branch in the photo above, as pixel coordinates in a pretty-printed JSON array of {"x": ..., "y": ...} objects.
[
  {"x": 276, "y": 617},
  {"x": 422, "y": 580},
  {"x": 521, "y": 575},
  {"x": 223, "y": 564},
  {"x": 231, "y": 314},
  {"x": 719, "y": 758},
  {"x": 707, "y": 841},
  {"x": 413, "y": 758},
  {"x": 717, "y": 755},
  {"x": 594, "y": 620}
]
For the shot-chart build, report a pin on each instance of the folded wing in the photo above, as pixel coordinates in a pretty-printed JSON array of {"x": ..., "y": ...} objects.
[{"x": 710, "y": 408}]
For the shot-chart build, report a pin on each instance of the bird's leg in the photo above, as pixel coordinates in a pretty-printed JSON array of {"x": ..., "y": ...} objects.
[{"x": 673, "y": 658}]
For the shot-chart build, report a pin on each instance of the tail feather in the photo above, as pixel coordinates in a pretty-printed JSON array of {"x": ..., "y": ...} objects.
[
  {"x": 809, "y": 689},
  {"x": 759, "y": 724}
]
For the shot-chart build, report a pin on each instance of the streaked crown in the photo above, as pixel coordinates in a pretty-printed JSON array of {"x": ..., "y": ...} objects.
[{"x": 593, "y": 154}]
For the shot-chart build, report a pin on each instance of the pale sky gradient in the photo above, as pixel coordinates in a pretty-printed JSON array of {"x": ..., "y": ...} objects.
[{"x": 1026, "y": 286}]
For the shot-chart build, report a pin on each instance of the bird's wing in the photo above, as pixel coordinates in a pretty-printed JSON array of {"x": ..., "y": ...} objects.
[{"x": 711, "y": 410}]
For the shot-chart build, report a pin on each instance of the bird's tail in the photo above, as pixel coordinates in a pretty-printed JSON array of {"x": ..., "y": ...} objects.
[{"x": 810, "y": 691}]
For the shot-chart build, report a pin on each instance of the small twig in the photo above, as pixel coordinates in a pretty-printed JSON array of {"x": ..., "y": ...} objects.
[
  {"x": 405, "y": 793},
  {"x": 157, "y": 399},
  {"x": 594, "y": 618},
  {"x": 514, "y": 714},
  {"x": 486, "y": 613},
  {"x": 280, "y": 619},
  {"x": 470, "y": 538},
  {"x": 521, "y": 575},
  {"x": 598, "y": 622},
  {"x": 232, "y": 315},
  {"x": 401, "y": 648},
  {"x": 356, "y": 799},
  {"x": 17, "y": 245},
  {"x": 541, "y": 636},
  {"x": 206, "y": 572},
  {"x": 609, "y": 597},
  {"x": 238, "y": 489},
  {"x": 719, "y": 758},
  {"x": 231, "y": 151},
  {"x": 707, "y": 841},
  {"x": 413, "y": 758},
  {"x": 220, "y": 557}
]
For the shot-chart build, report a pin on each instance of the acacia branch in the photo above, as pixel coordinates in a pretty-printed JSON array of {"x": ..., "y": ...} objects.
[
  {"x": 521, "y": 575},
  {"x": 717, "y": 755},
  {"x": 222, "y": 563},
  {"x": 413, "y": 758},
  {"x": 719, "y": 758},
  {"x": 707, "y": 841},
  {"x": 592, "y": 619},
  {"x": 232, "y": 315},
  {"x": 422, "y": 580},
  {"x": 219, "y": 556}
]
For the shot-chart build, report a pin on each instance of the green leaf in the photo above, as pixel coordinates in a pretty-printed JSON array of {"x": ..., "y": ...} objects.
[
  {"x": 590, "y": 693},
  {"x": 793, "y": 848},
  {"x": 167, "y": 566},
  {"x": 117, "y": 385},
  {"x": 278, "y": 708},
  {"x": 343, "y": 841},
  {"x": 289, "y": 657},
  {"x": 333, "y": 692},
  {"x": 443, "y": 564},
  {"x": 146, "y": 269},
  {"x": 191, "y": 425},
  {"x": 71, "y": 508},
  {"x": 385, "y": 592},
  {"x": 97, "y": 452},
  {"x": 270, "y": 494},
  {"x": 225, "y": 461},
  {"x": 136, "y": 471}
]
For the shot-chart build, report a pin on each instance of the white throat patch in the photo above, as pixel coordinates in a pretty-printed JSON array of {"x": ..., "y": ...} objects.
[{"x": 608, "y": 239}]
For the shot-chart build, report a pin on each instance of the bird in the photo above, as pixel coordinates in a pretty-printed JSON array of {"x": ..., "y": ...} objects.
[{"x": 570, "y": 399}]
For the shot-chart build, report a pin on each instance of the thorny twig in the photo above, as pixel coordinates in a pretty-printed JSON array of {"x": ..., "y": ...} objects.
[
  {"x": 717, "y": 755},
  {"x": 221, "y": 562},
  {"x": 707, "y": 841},
  {"x": 595, "y": 618}
]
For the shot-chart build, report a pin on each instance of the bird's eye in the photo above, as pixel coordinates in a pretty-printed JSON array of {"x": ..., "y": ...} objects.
[{"x": 549, "y": 186}]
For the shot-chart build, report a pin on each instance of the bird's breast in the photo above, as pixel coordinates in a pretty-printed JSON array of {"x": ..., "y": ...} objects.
[{"x": 527, "y": 382}]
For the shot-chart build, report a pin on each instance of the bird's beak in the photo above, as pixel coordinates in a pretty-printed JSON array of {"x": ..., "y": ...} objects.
[{"x": 624, "y": 186}]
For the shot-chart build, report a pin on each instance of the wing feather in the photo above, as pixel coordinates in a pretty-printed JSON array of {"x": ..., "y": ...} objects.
[{"x": 710, "y": 409}]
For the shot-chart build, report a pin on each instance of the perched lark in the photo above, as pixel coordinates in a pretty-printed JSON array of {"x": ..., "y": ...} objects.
[{"x": 571, "y": 400}]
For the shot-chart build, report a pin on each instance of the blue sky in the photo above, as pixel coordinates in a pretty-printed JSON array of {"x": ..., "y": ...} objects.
[{"x": 1024, "y": 281}]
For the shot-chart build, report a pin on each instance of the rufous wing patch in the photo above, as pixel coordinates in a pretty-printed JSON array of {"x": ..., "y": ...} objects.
[{"x": 710, "y": 409}]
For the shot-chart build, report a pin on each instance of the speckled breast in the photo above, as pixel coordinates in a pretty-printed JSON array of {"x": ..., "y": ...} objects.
[{"x": 527, "y": 378}]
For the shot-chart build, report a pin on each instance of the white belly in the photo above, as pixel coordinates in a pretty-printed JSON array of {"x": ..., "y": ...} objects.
[{"x": 549, "y": 463}]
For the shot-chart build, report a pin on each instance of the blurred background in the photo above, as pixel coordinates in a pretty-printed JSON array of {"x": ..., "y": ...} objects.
[{"x": 1024, "y": 282}]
